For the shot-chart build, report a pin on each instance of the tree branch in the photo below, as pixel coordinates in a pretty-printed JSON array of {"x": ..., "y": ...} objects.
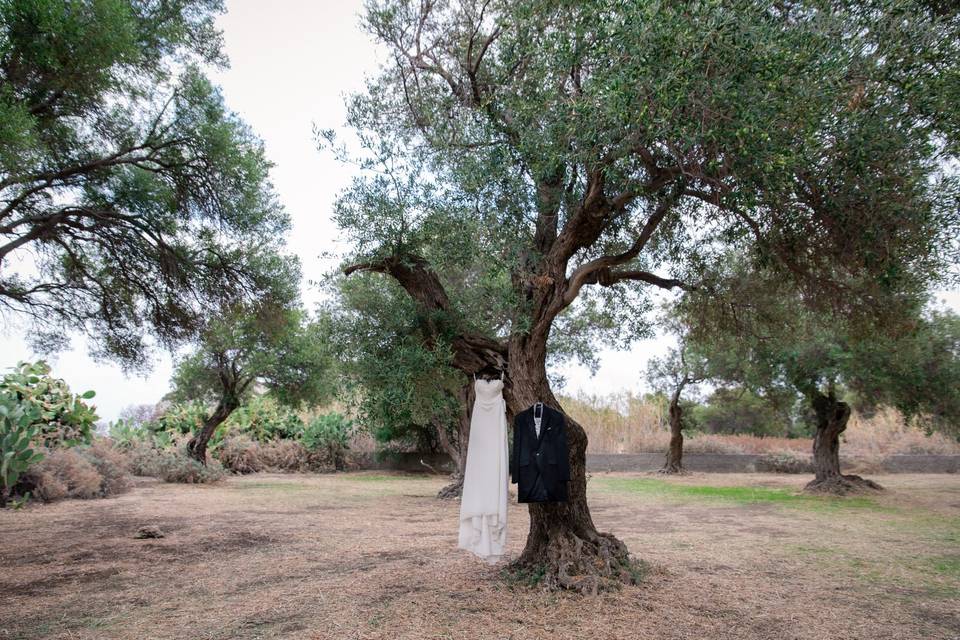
[{"x": 472, "y": 351}]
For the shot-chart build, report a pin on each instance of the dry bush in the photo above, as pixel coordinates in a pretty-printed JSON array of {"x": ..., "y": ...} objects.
[
  {"x": 178, "y": 467},
  {"x": 785, "y": 462},
  {"x": 285, "y": 455},
  {"x": 41, "y": 483},
  {"x": 240, "y": 454},
  {"x": 65, "y": 473},
  {"x": 112, "y": 465},
  {"x": 144, "y": 459}
]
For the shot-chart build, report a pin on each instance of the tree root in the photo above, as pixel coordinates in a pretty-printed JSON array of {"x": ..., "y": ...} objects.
[
  {"x": 842, "y": 485},
  {"x": 452, "y": 490},
  {"x": 598, "y": 562},
  {"x": 673, "y": 469}
]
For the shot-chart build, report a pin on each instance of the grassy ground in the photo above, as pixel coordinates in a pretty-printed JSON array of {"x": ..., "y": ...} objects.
[{"x": 367, "y": 555}]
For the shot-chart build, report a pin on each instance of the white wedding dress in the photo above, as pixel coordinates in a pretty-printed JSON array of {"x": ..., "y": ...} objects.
[{"x": 483, "y": 506}]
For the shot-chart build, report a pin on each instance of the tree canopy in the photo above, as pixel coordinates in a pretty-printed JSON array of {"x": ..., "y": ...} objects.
[
  {"x": 129, "y": 193},
  {"x": 629, "y": 145},
  {"x": 246, "y": 346}
]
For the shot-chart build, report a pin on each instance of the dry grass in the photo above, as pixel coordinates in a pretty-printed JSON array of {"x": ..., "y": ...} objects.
[
  {"x": 624, "y": 423},
  {"x": 373, "y": 556}
]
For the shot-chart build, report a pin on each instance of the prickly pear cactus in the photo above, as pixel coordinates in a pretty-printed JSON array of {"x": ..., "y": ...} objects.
[{"x": 18, "y": 434}]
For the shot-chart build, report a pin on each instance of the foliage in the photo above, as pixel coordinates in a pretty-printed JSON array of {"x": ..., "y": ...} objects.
[
  {"x": 906, "y": 357},
  {"x": 269, "y": 345},
  {"x": 139, "y": 196},
  {"x": 180, "y": 418},
  {"x": 329, "y": 433},
  {"x": 521, "y": 128},
  {"x": 919, "y": 372},
  {"x": 63, "y": 418},
  {"x": 125, "y": 433},
  {"x": 398, "y": 385},
  {"x": 18, "y": 450},
  {"x": 263, "y": 419},
  {"x": 740, "y": 410}
]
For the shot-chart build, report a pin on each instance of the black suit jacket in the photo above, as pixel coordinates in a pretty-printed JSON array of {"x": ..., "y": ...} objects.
[{"x": 539, "y": 466}]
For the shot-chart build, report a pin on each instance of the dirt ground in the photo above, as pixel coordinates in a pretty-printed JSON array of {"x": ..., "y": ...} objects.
[{"x": 373, "y": 555}]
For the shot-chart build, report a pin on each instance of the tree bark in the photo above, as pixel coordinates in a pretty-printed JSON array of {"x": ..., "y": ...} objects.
[
  {"x": 674, "y": 461},
  {"x": 197, "y": 446},
  {"x": 563, "y": 543},
  {"x": 832, "y": 418},
  {"x": 458, "y": 450}
]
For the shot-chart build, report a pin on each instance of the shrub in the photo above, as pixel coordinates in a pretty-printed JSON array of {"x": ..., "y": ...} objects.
[
  {"x": 741, "y": 411},
  {"x": 179, "y": 467},
  {"x": 240, "y": 454},
  {"x": 68, "y": 474},
  {"x": 145, "y": 459},
  {"x": 330, "y": 435},
  {"x": 111, "y": 463},
  {"x": 785, "y": 462},
  {"x": 286, "y": 455},
  {"x": 86, "y": 472}
]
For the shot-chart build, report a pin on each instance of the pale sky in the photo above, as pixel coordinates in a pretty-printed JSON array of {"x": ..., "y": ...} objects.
[{"x": 292, "y": 63}]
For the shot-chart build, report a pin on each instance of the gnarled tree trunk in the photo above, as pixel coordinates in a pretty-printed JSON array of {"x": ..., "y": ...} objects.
[
  {"x": 197, "y": 446},
  {"x": 563, "y": 542},
  {"x": 832, "y": 417},
  {"x": 674, "y": 461}
]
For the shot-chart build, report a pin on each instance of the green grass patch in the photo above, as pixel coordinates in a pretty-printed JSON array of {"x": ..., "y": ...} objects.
[
  {"x": 734, "y": 495},
  {"x": 946, "y": 565}
]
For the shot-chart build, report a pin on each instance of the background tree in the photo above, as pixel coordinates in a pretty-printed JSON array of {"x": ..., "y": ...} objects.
[
  {"x": 128, "y": 192},
  {"x": 781, "y": 346},
  {"x": 680, "y": 369},
  {"x": 254, "y": 346},
  {"x": 547, "y": 139}
]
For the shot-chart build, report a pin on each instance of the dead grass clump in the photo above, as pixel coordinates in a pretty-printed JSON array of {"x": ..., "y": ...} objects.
[
  {"x": 111, "y": 464},
  {"x": 285, "y": 455},
  {"x": 64, "y": 473},
  {"x": 178, "y": 467},
  {"x": 240, "y": 454},
  {"x": 785, "y": 462}
]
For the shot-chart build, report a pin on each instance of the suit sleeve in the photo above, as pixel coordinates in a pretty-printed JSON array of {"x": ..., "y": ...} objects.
[
  {"x": 563, "y": 453},
  {"x": 515, "y": 451}
]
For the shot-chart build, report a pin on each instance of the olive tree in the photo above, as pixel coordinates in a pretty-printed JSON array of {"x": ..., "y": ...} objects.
[
  {"x": 599, "y": 148},
  {"x": 763, "y": 335},
  {"x": 254, "y": 346}
]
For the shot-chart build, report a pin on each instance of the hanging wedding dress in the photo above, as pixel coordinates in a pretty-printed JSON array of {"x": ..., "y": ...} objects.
[{"x": 483, "y": 506}]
